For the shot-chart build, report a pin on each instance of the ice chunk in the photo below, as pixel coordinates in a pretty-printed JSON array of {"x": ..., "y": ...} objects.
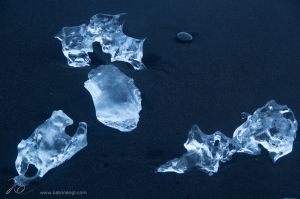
[
  {"x": 117, "y": 100},
  {"x": 108, "y": 31},
  {"x": 203, "y": 152},
  {"x": 48, "y": 147},
  {"x": 273, "y": 126},
  {"x": 76, "y": 44}
]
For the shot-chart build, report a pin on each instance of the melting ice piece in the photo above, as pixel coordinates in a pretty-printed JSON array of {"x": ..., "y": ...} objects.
[
  {"x": 48, "y": 147},
  {"x": 273, "y": 126},
  {"x": 106, "y": 29},
  {"x": 117, "y": 100},
  {"x": 203, "y": 151},
  {"x": 76, "y": 44}
]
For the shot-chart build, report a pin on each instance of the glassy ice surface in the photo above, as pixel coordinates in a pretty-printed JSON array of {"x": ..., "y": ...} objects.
[
  {"x": 77, "y": 41},
  {"x": 116, "y": 99},
  {"x": 203, "y": 152},
  {"x": 273, "y": 126},
  {"x": 48, "y": 147}
]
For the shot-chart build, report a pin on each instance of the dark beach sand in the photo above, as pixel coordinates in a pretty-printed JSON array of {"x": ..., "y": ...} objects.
[{"x": 244, "y": 53}]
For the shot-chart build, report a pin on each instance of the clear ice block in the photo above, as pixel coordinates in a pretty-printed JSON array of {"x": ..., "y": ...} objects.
[
  {"x": 116, "y": 99},
  {"x": 77, "y": 41},
  {"x": 203, "y": 152},
  {"x": 48, "y": 147},
  {"x": 273, "y": 126}
]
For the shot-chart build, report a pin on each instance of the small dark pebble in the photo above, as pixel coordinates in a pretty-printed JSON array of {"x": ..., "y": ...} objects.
[{"x": 184, "y": 37}]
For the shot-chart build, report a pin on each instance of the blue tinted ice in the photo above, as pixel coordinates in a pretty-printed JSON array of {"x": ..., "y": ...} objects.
[
  {"x": 48, "y": 147},
  {"x": 273, "y": 126},
  {"x": 77, "y": 41},
  {"x": 203, "y": 152},
  {"x": 116, "y": 99}
]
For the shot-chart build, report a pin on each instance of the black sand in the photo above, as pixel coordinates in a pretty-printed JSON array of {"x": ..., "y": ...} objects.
[{"x": 244, "y": 53}]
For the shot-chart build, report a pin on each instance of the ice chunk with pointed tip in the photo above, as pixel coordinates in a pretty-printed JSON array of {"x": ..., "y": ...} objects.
[
  {"x": 106, "y": 29},
  {"x": 273, "y": 126},
  {"x": 48, "y": 147},
  {"x": 203, "y": 152},
  {"x": 116, "y": 99}
]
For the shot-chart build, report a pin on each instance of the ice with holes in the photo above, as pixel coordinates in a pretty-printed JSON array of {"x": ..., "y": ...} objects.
[
  {"x": 48, "y": 147},
  {"x": 107, "y": 30},
  {"x": 116, "y": 99},
  {"x": 272, "y": 126}
]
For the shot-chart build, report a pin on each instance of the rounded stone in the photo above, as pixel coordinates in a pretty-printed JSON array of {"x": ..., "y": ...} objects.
[{"x": 184, "y": 37}]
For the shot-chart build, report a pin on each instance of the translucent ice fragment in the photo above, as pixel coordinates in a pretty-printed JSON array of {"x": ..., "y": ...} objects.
[
  {"x": 117, "y": 100},
  {"x": 108, "y": 31},
  {"x": 76, "y": 44},
  {"x": 48, "y": 147},
  {"x": 273, "y": 126},
  {"x": 203, "y": 151}
]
